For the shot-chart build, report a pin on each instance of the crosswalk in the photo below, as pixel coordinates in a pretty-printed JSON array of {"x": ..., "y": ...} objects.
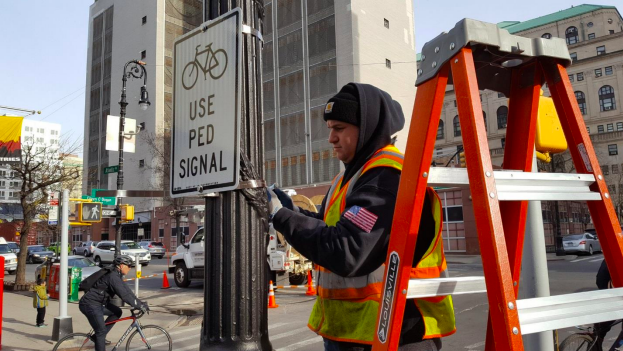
[
  {"x": 589, "y": 259},
  {"x": 284, "y": 336}
]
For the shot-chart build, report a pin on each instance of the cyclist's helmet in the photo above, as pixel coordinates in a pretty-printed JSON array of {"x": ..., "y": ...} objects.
[{"x": 123, "y": 259}]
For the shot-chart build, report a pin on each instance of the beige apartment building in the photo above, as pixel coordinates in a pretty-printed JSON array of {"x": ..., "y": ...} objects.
[{"x": 594, "y": 36}]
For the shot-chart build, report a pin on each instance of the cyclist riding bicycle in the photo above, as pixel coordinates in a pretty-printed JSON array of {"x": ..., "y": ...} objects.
[{"x": 95, "y": 303}]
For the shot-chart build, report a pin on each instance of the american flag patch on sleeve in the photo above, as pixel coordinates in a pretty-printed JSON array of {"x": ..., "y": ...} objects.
[{"x": 361, "y": 217}]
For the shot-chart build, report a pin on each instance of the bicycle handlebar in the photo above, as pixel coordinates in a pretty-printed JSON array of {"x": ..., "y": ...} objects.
[{"x": 137, "y": 313}]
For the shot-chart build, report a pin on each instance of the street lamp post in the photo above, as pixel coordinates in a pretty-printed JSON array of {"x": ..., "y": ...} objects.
[{"x": 137, "y": 70}]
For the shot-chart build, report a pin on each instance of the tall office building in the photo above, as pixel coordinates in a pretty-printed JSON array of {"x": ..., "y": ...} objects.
[{"x": 594, "y": 36}]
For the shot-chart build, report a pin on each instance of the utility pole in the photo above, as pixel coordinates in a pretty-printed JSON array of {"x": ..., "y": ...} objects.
[{"x": 236, "y": 290}]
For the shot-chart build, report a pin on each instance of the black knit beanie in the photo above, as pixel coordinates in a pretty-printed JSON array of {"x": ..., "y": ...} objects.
[{"x": 344, "y": 106}]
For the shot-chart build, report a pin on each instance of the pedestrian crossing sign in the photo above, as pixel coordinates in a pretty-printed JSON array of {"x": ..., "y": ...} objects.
[{"x": 90, "y": 212}]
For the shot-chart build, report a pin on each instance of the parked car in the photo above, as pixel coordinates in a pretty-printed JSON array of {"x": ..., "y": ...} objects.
[
  {"x": 105, "y": 252},
  {"x": 38, "y": 254},
  {"x": 88, "y": 266},
  {"x": 85, "y": 249},
  {"x": 156, "y": 249},
  {"x": 581, "y": 243},
  {"x": 13, "y": 246},
  {"x": 10, "y": 260},
  {"x": 55, "y": 247}
]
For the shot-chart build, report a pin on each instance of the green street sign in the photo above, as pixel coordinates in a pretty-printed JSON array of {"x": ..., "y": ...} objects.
[
  {"x": 111, "y": 169},
  {"x": 106, "y": 201}
]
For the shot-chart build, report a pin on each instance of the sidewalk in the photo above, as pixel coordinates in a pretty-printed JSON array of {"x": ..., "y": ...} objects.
[
  {"x": 475, "y": 259},
  {"x": 20, "y": 333}
]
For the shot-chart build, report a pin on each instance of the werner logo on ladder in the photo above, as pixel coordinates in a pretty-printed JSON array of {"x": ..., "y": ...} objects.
[{"x": 476, "y": 55}]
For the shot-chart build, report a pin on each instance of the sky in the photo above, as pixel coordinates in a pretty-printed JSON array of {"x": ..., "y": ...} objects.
[{"x": 44, "y": 48}]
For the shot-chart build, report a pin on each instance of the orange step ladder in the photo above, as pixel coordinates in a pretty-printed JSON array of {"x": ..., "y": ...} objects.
[{"x": 475, "y": 56}]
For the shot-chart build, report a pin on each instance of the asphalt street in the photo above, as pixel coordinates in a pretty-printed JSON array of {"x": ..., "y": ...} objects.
[{"x": 287, "y": 323}]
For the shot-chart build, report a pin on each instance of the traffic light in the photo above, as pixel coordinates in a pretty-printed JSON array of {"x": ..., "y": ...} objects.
[
  {"x": 462, "y": 160},
  {"x": 127, "y": 212},
  {"x": 90, "y": 212}
]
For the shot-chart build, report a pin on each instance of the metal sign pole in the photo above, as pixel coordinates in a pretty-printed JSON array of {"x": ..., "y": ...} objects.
[
  {"x": 63, "y": 323},
  {"x": 236, "y": 289}
]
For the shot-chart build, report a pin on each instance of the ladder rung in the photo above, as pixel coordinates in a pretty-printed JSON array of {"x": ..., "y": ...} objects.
[
  {"x": 563, "y": 311},
  {"x": 517, "y": 185},
  {"x": 419, "y": 288}
]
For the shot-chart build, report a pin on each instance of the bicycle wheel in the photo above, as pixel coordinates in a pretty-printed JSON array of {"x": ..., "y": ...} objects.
[
  {"x": 189, "y": 78},
  {"x": 577, "y": 342},
  {"x": 74, "y": 342},
  {"x": 157, "y": 338},
  {"x": 218, "y": 64}
]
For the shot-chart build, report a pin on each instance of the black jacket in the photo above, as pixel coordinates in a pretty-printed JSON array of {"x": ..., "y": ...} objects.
[
  {"x": 108, "y": 286},
  {"x": 345, "y": 248}
]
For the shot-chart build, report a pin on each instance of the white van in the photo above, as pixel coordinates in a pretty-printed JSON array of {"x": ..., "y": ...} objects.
[{"x": 10, "y": 260}]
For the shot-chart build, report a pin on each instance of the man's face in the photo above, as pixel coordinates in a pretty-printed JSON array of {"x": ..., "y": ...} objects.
[
  {"x": 344, "y": 137},
  {"x": 124, "y": 269}
]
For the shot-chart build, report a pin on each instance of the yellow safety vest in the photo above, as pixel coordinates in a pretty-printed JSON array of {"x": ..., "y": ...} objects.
[{"x": 346, "y": 308}]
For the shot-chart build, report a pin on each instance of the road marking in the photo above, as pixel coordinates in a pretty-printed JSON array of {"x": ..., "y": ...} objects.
[
  {"x": 581, "y": 259},
  {"x": 277, "y": 325},
  {"x": 300, "y": 344},
  {"x": 290, "y": 333},
  {"x": 473, "y": 346},
  {"x": 185, "y": 330},
  {"x": 597, "y": 260}
]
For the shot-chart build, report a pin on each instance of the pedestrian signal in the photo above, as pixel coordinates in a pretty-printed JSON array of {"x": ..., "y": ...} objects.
[
  {"x": 90, "y": 212},
  {"x": 462, "y": 160},
  {"x": 127, "y": 212}
]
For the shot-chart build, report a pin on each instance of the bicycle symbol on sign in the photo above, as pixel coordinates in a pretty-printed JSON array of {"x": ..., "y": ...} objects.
[{"x": 214, "y": 64}]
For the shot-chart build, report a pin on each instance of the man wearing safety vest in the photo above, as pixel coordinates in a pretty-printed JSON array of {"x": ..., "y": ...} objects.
[{"x": 349, "y": 238}]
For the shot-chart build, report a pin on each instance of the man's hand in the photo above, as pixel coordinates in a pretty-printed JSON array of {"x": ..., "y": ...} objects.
[
  {"x": 285, "y": 199},
  {"x": 274, "y": 204},
  {"x": 145, "y": 308}
]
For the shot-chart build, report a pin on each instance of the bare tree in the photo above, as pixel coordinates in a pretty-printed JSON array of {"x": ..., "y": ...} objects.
[{"x": 40, "y": 171}]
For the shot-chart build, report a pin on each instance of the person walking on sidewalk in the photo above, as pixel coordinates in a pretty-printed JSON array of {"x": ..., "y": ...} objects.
[
  {"x": 348, "y": 240},
  {"x": 95, "y": 303},
  {"x": 40, "y": 302}
]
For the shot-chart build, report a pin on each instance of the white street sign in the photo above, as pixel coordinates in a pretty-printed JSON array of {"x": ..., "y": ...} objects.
[
  {"x": 206, "y": 120},
  {"x": 112, "y": 134},
  {"x": 53, "y": 215}
]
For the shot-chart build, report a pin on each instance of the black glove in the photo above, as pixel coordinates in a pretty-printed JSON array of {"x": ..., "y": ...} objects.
[
  {"x": 285, "y": 199},
  {"x": 145, "y": 308}
]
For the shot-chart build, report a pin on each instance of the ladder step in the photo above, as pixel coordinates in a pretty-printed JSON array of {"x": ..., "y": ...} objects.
[
  {"x": 563, "y": 311},
  {"x": 419, "y": 288},
  {"x": 518, "y": 186}
]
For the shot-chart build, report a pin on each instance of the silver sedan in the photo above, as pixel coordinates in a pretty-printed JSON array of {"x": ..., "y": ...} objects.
[
  {"x": 581, "y": 243},
  {"x": 88, "y": 266}
]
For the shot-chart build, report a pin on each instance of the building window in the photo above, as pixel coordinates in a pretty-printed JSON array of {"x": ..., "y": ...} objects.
[
  {"x": 388, "y": 63},
  {"x": 611, "y": 31},
  {"x": 386, "y": 22},
  {"x": 606, "y": 98},
  {"x": 41, "y": 130},
  {"x": 440, "y": 130},
  {"x": 608, "y": 70},
  {"x": 161, "y": 228},
  {"x": 502, "y": 116},
  {"x": 580, "y": 76},
  {"x": 619, "y": 126},
  {"x": 589, "y": 24},
  {"x": 615, "y": 169},
  {"x": 484, "y": 118},
  {"x": 597, "y": 72},
  {"x": 579, "y": 96},
  {"x": 144, "y": 19},
  {"x": 601, "y": 50},
  {"x": 454, "y": 103},
  {"x": 141, "y": 163},
  {"x": 571, "y": 78},
  {"x": 546, "y": 36},
  {"x": 40, "y": 140},
  {"x": 457, "y": 126},
  {"x": 588, "y": 130},
  {"x": 143, "y": 54},
  {"x": 573, "y": 56},
  {"x": 572, "y": 35},
  {"x": 591, "y": 36},
  {"x": 501, "y": 95},
  {"x": 610, "y": 127},
  {"x": 503, "y": 141},
  {"x": 604, "y": 170},
  {"x": 600, "y": 128}
]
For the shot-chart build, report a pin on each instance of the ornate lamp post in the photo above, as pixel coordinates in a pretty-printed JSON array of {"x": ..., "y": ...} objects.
[{"x": 132, "y": 69}]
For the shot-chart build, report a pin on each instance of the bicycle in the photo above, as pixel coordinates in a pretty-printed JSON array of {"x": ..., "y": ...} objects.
[
  {"x": 150, "y": 337},
  {"x": 587, "y": 340},
  {"x": 213, "y": 65}
]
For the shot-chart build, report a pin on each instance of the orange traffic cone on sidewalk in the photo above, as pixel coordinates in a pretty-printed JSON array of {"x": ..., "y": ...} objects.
[
  {"x": 165, "y": 280},
  {"x": 310, "y": 285},
  {"x": 271, "y": 297}
]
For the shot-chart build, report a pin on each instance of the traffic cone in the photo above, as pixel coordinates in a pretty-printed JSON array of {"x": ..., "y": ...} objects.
[
  {"x": 165, "y": 280},
  {"x": 271, "y": 297},
  {"x": 310, "y": 286}
]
